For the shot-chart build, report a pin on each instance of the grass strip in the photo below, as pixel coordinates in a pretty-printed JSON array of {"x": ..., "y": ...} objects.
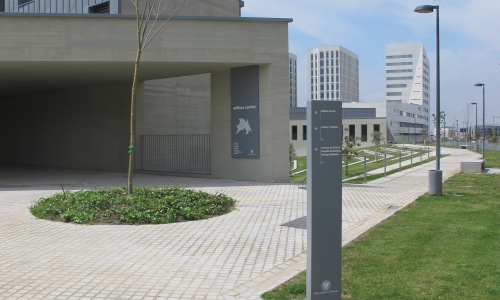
[{"x": 437, "y": 248}]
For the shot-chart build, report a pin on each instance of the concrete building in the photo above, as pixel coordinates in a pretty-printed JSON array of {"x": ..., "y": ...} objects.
[
  {"x": 65, "y": 79},
  {"x": 408, "y": 86},
  {"x": 333, "y": 73},
  {"x": 360, "y": 120},
  {"x": 292, "y": 66}
]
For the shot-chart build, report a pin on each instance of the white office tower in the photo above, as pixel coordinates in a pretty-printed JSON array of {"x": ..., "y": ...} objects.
[
  {"x": 333, "y": 73},
  {"x": 292, "y": 67},
  {"x": 407, "y": 74},
  {"x": 407, "y": 90}
]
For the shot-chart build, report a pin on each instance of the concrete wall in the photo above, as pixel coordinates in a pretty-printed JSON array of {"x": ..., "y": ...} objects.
[
  {"x": 274, "y": 102},
  {"x": 177, "y": 105},
  {"x": 83, "y": 128}
]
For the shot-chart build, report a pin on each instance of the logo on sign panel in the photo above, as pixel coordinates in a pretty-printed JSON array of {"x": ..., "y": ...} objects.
[{"x": 326, "y": 285}]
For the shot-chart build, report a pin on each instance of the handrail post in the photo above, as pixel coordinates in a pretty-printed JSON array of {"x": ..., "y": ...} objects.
[
  {"x": 364, "y": 162},
  {"x": 399, "y": 161},
  {"x": 385, "y": 164}
]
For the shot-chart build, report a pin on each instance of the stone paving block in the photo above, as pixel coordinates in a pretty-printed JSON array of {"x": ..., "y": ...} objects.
[{"x": 235, "y": 256}]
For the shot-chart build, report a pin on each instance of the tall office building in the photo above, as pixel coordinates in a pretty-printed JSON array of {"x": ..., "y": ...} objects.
[
  {"x": 407, "y": 74},
  {"x": 292, "y": 67},
  {"x": 407, "y": 83},
  {"x": 333, "y": 73}
]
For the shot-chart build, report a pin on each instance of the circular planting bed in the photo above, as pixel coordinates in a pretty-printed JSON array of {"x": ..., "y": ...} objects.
[{"x": 144, "y": 206}]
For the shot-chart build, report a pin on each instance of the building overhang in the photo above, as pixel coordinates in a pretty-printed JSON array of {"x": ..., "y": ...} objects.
[{"x": 42, "y": 52}]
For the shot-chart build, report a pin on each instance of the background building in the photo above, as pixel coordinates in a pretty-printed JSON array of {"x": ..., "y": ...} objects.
[
  {"x": 333, "y": 73},
  {"x": 402, "y": 117},
  {"x": 292, "y": 66},
  {"x": 408, "y": 87}
]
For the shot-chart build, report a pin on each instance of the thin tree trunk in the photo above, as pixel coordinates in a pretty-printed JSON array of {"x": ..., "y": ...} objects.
[{"x": 131, "y": 149}]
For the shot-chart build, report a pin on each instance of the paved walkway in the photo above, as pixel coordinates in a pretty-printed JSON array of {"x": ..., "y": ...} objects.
[{"x": 236, "y": 256}]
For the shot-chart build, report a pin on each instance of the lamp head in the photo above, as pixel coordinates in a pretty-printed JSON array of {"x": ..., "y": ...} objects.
[
  {"x": 474, "y": 103},
  {"x": 479, "y": 84},
  {"x": 426, "y": 8}
]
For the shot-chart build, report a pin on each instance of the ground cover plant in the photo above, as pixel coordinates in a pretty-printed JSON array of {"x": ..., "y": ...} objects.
[
  {"x": 145, "y": 206},
  {"x": 442, "y": 247}
]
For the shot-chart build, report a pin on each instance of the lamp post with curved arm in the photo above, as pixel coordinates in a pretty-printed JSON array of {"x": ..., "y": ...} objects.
[{"x": 435, "y": 176}]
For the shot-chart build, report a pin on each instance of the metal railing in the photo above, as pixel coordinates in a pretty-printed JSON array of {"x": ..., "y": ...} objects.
[{"x": 184, "y": 153}]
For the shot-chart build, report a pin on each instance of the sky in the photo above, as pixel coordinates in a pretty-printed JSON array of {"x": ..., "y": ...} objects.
[{"x": 469, "y": 45}]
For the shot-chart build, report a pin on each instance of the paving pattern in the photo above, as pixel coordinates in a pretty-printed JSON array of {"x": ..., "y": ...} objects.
[{"x": 236, "y": 256}]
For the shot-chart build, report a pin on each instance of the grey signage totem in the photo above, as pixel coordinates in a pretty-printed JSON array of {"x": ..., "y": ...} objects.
[{"x": 324, "y": 199}]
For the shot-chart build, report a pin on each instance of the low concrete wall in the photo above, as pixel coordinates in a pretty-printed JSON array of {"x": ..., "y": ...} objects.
[{"x": 472, "y": 166}]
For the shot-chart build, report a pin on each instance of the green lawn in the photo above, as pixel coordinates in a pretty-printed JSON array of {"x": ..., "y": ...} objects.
[{"x": 444, "y": 247}]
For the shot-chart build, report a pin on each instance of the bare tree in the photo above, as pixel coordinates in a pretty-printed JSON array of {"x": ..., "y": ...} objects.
[
  {"x": 349, "y": 148},
  {"x": 147, "y": 14},
  {"x": 377, "y": 140}
]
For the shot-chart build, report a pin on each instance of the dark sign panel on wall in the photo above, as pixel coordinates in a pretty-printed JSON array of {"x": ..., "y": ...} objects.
[{"x": 245, "y": 141}]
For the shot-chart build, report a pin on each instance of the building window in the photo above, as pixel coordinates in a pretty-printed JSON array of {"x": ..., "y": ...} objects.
[
  {"x": 392, "y": 86},
  {"x": 102, "y": 8},
  {"x": 352, "y": 131},
  {"x": 376, "y": 127},
  {"x": 394, "y": 94},
  {"x": 294, "y": 132},
  {"x": 400, "y": 71},
  {"x": 400, "y": 56},
  {"x": 364, "y": 132},
  {"x": 304, "y": 132},
  {"x": 400, "y": 78},
  {"x": 403, "y": 63}
]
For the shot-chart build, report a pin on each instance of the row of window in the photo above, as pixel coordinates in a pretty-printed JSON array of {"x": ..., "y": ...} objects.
[
  {"x": 400, "y": 78},
  {"x": 400, "y": 56},
  {"x": 304, "y": 132},
  {"x": 352, "y": 131},
  {"x": 393, "y": 86},
  {"x": 328, "y": 54},
  {"x": 400, "y": 71},
  {"x": 402, "y": 63}
]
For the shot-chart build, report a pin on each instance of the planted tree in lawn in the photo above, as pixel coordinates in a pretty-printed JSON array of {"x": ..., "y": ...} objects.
[
  {"x": 349, "y": 148},
  {"x": 377, "y": 140},
  {"x": 291, "y": 155},
  {"x": 147, "y": 14}
]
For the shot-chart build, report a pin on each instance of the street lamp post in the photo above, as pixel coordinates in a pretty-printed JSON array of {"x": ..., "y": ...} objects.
[
  {"x": 475, "y": 129},
  {"x": 484, "y": 125},
  {"x": 435, "y": 176}
]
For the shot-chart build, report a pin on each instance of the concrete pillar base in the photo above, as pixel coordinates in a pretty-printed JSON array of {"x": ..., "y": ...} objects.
[{"x": 435, "y": 182}]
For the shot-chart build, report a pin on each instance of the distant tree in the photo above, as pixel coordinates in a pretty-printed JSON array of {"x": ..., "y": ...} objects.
[
  {"x": 442, "y": 117},
  {"x": 377, "y": 140},
  {"x": 291, "y": 155},
  {"x": 349, "y": 148},
  {"x": 424, "y": 133}
]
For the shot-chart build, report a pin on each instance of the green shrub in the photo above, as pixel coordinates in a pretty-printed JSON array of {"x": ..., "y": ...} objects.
[{"x": 145, "y": 206}]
